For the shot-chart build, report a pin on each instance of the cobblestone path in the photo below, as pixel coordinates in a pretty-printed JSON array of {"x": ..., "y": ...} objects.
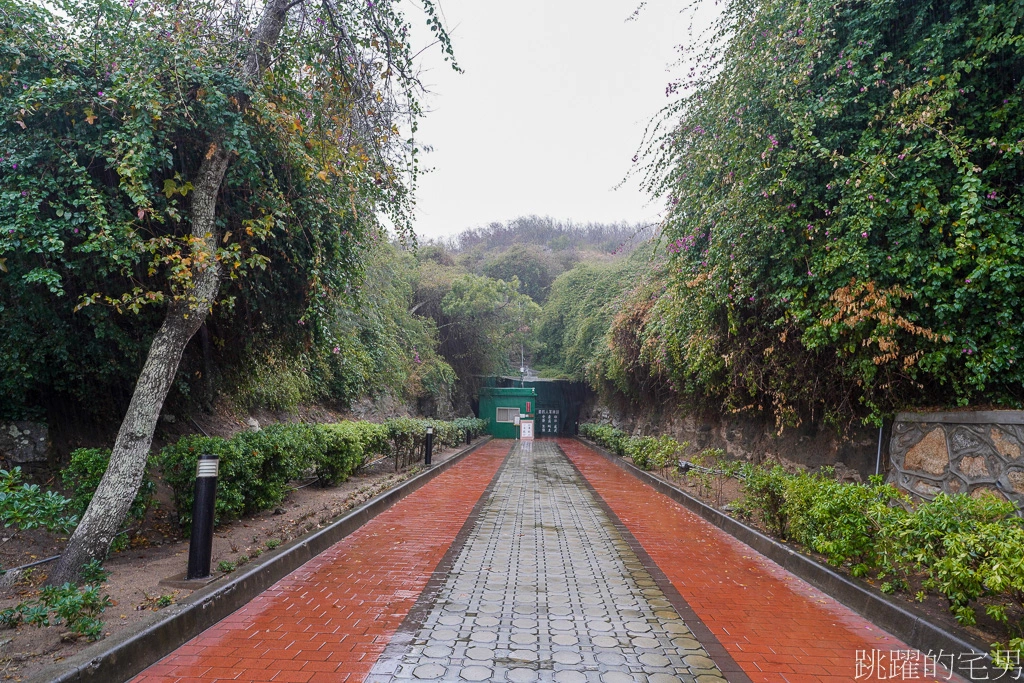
[
  {"x": 546, "y": 589},
  {"x": 554, "y": 566}
]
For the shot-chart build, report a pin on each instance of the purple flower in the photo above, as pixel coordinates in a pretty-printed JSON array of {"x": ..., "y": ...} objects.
[
  {"x": 14, "y": 166},
  {"x": 863, "y": 234},
  {"x": 76, "y": 231},
  {"x": 24, "y": 193},
  {"x": 968, "y": 280},
  {"x": 336, "y": 350},
  {"x": 100, "y": 93}
]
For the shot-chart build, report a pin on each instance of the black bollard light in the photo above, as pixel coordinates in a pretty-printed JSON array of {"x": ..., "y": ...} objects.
[
  {"x": 200, "y": 548},
  {"x": 430, "y": 445},
  {"x": 469, "y": 436}
]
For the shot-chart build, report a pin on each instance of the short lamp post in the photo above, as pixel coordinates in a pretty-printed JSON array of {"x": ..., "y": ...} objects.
[
  {"x": 200, "y": 547},
  {"x": 430, "y": 446}
]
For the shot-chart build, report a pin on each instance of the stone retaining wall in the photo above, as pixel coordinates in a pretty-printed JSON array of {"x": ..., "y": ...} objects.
[
  {"x": 959, "y": 452},
  {"x": 23, "y": 444}
]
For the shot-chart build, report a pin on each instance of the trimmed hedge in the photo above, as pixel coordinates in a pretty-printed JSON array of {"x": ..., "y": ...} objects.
[
  {"x": 256, "y": 467},
  {"x": 647, "y": 452}
]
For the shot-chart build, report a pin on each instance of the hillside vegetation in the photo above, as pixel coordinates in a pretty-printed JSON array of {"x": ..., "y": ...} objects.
[{"x": 843, "y": 236}]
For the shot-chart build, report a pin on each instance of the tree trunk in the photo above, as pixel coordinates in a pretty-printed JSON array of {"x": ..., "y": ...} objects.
[{"x": 120, "y": 483}]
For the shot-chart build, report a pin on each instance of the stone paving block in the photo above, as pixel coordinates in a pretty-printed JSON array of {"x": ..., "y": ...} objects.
[{"x": 565, "y": 597}]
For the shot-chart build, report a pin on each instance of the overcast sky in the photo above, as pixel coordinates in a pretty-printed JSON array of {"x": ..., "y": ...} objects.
[{"x": 549, "y": 112}]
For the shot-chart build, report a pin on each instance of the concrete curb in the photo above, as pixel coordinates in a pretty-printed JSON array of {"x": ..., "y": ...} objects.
[
  {"x": 123, "y": 656},
  {"x": 911, "y": 628}
]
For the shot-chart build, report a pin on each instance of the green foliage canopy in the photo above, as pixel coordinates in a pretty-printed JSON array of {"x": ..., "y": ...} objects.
[
  {"x": 106, "y": 112},
  {"x": 843, "y": 183}
]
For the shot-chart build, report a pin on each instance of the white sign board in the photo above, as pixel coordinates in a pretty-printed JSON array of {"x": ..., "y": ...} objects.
[{"x": 526, "y": 430}]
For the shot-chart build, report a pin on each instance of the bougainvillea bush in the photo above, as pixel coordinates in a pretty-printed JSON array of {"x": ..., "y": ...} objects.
[{"x": 844, "y": 212}]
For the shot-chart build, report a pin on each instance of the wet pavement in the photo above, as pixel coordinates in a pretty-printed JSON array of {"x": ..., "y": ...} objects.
[
  {"x": 546, "y": 589},
  {"x": 539, "y": 561}
]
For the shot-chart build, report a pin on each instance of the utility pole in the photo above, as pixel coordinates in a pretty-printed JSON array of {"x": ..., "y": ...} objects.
[{"x": 522, "y": 367}]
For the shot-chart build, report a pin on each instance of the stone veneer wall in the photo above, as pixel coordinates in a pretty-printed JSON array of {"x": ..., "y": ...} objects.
[{"x": 959, "y": 452}]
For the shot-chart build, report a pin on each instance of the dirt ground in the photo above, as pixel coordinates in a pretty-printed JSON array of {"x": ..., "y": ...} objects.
[{"x": 158, "y": 551}]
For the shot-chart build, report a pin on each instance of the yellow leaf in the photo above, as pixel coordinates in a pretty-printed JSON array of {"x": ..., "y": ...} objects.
[
  {"x": 3, "y": 264},
  {"x": 90, "y": 116},
  {"x": 227, "y": 235},
  {"x": 322, "y": 175}
]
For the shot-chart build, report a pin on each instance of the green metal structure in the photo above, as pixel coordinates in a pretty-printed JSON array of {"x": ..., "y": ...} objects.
[
  {"x": 555, "y": 408},
  {"x": 500, "y": 405}
]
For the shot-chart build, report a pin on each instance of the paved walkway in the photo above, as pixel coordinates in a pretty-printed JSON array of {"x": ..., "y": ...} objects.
[
  {"x": 330, "y": 620},
  {"x": 558, "y": 566},
  {"x": 547, "y": 589}
]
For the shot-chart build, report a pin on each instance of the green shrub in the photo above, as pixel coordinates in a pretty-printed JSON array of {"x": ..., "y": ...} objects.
[
  {"x": 839, "y": 520},
  {"x": 471, "y": 425},
  {"x": 278, "y": 454},
  {"x": 78, "y": 608},
  {"x": 256, "y": 467},
  {"x": 236, "y": 479},
  {"x": 446, "y": 434},
  {"x": 640, "y": 449},
  {"x": 765, "y": 495},
  {"x": 341, "y": 451},
  {"x": 82, "y": 477},
  {"x": 965, "y": 546},
  {"x": 919, "y": 539},
  {"x": 407, "y": 437},
  {"x": 611, "y": 438},
  {"x": 93, "y": 572},
  {"x": 373, "y": 437},
  {"x": 26, "y": 506}
]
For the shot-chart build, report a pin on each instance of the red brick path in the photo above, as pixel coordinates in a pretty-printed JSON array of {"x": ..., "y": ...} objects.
[
  {"x": 776, "y": 626},
  {"x": 331, "y": 619}
]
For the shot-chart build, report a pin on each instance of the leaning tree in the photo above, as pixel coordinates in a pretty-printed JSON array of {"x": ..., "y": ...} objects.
[{"x": 152, "y": 150}]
